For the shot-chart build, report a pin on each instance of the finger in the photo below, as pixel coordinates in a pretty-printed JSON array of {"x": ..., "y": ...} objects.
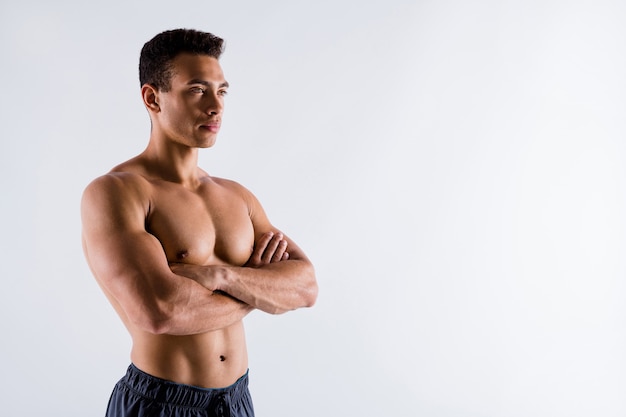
[
  {"x": 271, "y": 248},
  {"x": 280, "y": 251},
  {"x": 259, "y": 249}
]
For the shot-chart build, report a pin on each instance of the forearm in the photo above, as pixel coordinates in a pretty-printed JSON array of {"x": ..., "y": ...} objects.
[
  {"x": 274, "y": 288},
  {"x": 194, "y": 309},
  {"x": 272, "y": 280}
]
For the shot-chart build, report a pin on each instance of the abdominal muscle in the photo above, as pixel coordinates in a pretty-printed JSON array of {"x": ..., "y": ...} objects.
[{"x": 214, "y": 359}]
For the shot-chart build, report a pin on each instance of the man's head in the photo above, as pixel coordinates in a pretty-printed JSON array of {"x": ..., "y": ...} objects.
[{"x": 157, "y": 55}]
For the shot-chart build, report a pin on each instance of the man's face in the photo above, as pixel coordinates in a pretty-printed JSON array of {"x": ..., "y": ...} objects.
[{"x": 191, "y": 112}]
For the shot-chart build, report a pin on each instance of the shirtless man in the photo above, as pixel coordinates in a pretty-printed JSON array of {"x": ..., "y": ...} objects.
[{"x": 183, "y": 256}]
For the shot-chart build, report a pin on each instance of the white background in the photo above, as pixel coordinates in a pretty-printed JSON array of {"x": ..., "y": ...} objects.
[{"x": 455, "y": 170}]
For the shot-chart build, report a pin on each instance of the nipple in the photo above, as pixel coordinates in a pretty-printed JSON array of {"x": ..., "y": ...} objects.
[{"x": 182, "y": 254}]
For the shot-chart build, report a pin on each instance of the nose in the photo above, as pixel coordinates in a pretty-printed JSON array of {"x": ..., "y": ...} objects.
[{"x": 214, "y": 104}]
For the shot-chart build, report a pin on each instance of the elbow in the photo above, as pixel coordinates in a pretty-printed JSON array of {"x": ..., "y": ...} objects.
[
  {"x": 305, "y": 297},
  {"x": 155, "y": 326},
  {"x": 310, "y": 297},
  {"x": 158, "y": 327},
  {"x": 310, "y": 290},
  {"x": 155, "y": 320}
]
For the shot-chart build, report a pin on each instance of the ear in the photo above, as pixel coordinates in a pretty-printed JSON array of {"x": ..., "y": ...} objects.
[{"x": 150, "y": 96}]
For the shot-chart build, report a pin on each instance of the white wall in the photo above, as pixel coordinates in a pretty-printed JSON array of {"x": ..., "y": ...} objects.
[{"x": 455, "y": 169}]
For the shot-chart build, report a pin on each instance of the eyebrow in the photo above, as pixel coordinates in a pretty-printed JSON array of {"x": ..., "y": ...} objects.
[{"x": 208, "y": 84}]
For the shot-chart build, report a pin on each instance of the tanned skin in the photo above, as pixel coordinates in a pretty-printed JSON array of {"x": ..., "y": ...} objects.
[{"x": 183, "y": 256}]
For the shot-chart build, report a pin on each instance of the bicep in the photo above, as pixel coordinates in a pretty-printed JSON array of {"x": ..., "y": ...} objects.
[
  {"x": 125, "y": 259},
  {"x": 128, "y": 264}
]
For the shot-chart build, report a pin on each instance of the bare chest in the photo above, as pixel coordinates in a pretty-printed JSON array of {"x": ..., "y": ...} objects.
[{"x": 204, "y": 227}]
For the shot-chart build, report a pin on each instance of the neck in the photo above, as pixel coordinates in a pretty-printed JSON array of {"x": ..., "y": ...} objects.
[{"x": 173, "y": 162}]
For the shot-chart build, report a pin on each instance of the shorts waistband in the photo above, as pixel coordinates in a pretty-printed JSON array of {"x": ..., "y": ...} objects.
[{"x": 164, "y": 391}]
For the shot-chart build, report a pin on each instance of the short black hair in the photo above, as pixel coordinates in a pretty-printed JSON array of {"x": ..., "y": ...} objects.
[{"x": 155, "y": 60}]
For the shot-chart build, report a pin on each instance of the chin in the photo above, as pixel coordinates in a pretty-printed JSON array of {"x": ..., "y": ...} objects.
[
  {"x": 208, "y": 144},
  {"x": 205, "y": 142}
]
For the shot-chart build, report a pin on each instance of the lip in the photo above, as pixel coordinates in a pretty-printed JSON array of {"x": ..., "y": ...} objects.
[{"x": 211, "y": 127}]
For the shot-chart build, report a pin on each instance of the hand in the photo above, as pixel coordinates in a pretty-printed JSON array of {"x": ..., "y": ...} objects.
[{"x": 271, "y": 247}]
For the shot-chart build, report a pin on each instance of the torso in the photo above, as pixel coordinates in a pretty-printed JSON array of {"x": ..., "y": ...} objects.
[{"x": 205, "y": 226}]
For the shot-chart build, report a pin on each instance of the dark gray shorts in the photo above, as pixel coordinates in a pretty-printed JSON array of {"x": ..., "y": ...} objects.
[{"x": 138, "y": 394}]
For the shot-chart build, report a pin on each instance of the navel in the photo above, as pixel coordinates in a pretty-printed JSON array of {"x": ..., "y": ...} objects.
[{"x": 222, "y": 358}]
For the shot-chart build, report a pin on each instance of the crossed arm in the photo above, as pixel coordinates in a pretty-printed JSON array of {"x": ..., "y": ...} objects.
[
  {"x": 277, "y": 278},
  {"x": 273, "y": 280},
  {"x": 179, "y": 299}
]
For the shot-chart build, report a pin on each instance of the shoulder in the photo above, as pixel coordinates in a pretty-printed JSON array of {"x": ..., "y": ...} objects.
[
  {"x": 117, "y": 193},
  {"x": 118, "y": 183},
  {"x": 229, "y": 185},
  {"x": 253, "y": 205},
  {"x": 236, "y": 188}
]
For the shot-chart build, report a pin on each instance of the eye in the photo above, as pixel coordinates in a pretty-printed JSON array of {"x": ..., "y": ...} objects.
[
  {"x": 197, "y": 90},
  {"x": 222, "y": 93}
]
